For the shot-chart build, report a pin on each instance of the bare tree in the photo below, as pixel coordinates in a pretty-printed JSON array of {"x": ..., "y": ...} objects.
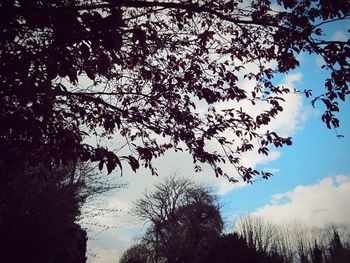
[
  {"x": 184, "y": 220},
  {"x": 137, "y": 253},
  {"x": 296, "y": 241},
  {"x": 259, "y": 233}
]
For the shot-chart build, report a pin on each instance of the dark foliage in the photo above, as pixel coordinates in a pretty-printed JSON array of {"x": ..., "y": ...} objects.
[
  {"x": 146, "y": 66},
  {"x": 337, "y": 252},
  {"x": 234, "y": 248},
  {"x": 38, "y": 211},
  {"x": 316, "y": 254}
]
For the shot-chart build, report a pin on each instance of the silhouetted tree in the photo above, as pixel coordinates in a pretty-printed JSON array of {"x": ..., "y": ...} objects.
[
  {"x": 185, "y": 225},
  {"x": 316, "y": 254},
  {"x": 294, "y": 242},
  {"x": 184, "y": 220},
  {"x": 338, "y": 253},
  {"x": 138, "y": 253},
  {"x": 261, "y": 234},
  {"x": 234, "y": 248},
  {"x": 140, "y": 69},
  {"x": 40, "y": 208}
]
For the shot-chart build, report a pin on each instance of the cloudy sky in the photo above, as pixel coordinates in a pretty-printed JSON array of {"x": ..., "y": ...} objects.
[{"x": 311, "y": 179}]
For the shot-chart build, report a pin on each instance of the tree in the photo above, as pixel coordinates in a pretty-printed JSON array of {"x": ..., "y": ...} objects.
[
  {"x": 184, "y": 220},
  {"x": 259, "y": 233},
  {"x": 338, "y": 253},
  {"x": 39, "y": 211},
  {"x": 316, "y": 254},
  {"x": 293, "y": 242},
  {"x": 140, "y": 70},
  {"x": 138, "y": 253}
]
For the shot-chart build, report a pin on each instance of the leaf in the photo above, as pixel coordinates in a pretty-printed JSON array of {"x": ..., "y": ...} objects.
[
  {"x": 341, "y": 96},
  {"x": 308, "y": 93},
  {"x": 103, "y": 64},
  {"x": 110, "y": 165},
  {"x": 85, "y": 51},
  {"x": 90, "y": 73},
  {"x": 134, "y": 163},
  {"x": 218, "y": 171},
  {"x": 112, "y": 41},
  {"x": 100, "y": 165},
  {"x": 289, "y": 141},
  {"x": 335, "y": 122},
  {"x": 263, "y": 150},
  {"x": 112, "y": 162}
]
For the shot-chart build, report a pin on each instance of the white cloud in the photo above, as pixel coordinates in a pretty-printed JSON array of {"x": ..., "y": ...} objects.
[
  {"x": 318, "y": 204},
  {"x": 340, "y": 36},
  {"x": 290, "y": 120}
]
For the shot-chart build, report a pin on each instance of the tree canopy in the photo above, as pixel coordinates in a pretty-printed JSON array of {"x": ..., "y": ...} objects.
[{"x": 154, "y": 74}]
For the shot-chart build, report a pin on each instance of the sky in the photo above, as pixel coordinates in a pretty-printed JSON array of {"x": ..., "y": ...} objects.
[{"x": 311, "y": 181}]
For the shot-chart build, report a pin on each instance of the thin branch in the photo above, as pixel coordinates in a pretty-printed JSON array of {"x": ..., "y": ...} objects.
[{"x": 195, "y": 8}]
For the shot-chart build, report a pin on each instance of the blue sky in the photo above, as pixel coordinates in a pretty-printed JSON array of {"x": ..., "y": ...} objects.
[
  {"x": 311, "y": 175},
  {"x": 316, "y": 151}
]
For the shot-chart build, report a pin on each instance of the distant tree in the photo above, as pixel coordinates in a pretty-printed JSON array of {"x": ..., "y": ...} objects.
[
  {"x": 338, "y": 253},
  {"x": 185, "y": 225},
  {"x": 336, "y": 245},
  {"x": 295, "y": 242},
  {"x": 299, "y": 233},
  {"x": 260, "y": 233},
  {"x": 316, "y": 254},
  {"x": 184, "y": 220},
  {"x": 141, "y": 70},
  {"x": 138, "y": 253}
]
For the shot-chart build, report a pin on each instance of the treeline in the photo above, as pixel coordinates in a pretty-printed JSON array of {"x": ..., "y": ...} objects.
[
  {"x": 185, "y": 225},
  {"x": 295, "y": 242}
]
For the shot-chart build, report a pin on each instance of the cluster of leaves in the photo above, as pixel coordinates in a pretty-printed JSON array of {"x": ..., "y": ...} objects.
[{"x": 150, "y": 66}]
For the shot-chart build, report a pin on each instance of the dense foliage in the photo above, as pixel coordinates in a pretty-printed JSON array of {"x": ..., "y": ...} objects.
[
  {"x": 38, "y": 213},
  {"x": 154, "y": 74}
]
